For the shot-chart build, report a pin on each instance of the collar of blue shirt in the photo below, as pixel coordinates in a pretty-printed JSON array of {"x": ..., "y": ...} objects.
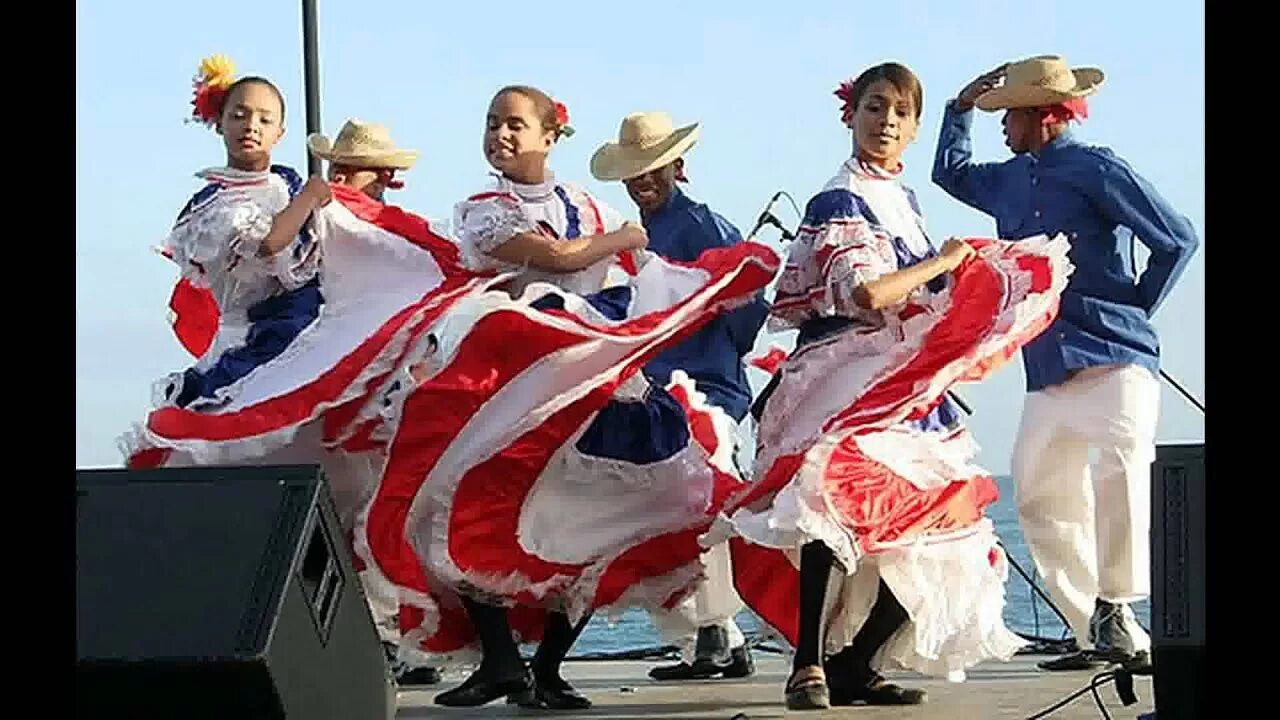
[{"x": 1064, "y": 140}]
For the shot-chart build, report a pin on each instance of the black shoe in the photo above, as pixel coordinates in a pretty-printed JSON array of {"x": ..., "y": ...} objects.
[
  {"x": 1110, "y": 630},
  {"x": 711, "y": 651},
  {"x": 1138, "y": 663},
  {"x": 481, "y": 689},
  {"x": 1082, "y": 660},
  {"x": 704, "y": 668},
  {"x": 679, "y": 671},
  {"x": 553, "y": 694},
  {"x": 742, "y": 665},
  {"x": 811, "y": 693},
  {"x": 876, "y": 691}
]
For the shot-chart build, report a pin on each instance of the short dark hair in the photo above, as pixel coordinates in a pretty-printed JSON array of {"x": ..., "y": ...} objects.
[
  {"x": 252, "y": 80},
  {"x": 542, "y": 102},
  {"x": 898, "y": 75}
]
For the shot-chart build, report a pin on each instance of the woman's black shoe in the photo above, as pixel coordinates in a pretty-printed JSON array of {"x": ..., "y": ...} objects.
[
  {"x": 876, "y": 691},
  {"x": 481, "y": 689},
  {"x": 552, "y": 694}
]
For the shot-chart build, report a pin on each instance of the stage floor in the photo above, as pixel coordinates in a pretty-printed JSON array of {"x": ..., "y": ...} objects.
[{"x": 622, "y": 689}]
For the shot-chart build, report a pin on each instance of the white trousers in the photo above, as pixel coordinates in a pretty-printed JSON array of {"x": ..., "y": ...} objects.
[
  {"x": 1088, "y": 526},
  {"x": 353, "y": 482},
  {"x": 714, "y": 603}
]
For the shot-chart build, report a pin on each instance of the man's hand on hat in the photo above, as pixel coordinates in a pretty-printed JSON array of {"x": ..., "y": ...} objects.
[{"x": 984, "y": 83}]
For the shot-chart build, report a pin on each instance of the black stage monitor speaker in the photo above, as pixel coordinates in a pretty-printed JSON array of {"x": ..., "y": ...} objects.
[
  {"x": 221, "y": 592},
  {"x": 1178, "y": 581}
]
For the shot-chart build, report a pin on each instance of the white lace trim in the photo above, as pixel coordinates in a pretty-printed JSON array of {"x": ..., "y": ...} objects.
[
  {"x": 857, "y": 253},
  {"x": 483, "y": 226},
  {"x": 955, "y": 599},
  {"x": 224, "y": 235}
]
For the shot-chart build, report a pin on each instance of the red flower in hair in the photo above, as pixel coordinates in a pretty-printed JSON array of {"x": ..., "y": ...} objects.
[
  {"x": 562, "y": 120},
  {"x": 214, "y": 78},
  {"x": 207, "y": 103},
  {"x": 845, "y": 93}
]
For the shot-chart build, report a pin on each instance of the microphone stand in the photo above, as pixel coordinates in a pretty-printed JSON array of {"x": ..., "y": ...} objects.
[{"x": 767, "y": 218}]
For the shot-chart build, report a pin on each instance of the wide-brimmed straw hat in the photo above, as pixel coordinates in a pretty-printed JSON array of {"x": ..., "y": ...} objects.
[
  {"x": 646, "y": 141},
  {"x": 1040, "y": 81},
  {"x": 361, "y": 144}
]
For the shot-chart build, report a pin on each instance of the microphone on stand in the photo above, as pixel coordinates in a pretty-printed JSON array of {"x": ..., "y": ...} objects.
[{"x": 768, "y": 218}]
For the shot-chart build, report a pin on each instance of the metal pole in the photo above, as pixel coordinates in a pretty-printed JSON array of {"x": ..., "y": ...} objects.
[{"x": 311, "y": 77}]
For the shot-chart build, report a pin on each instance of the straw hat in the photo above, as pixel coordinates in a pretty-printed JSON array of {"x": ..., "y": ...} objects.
[
  {"x": 1040, "y": 81},
  {"x": 645, "y": 141},
  {"x": 361, "y": 144}
]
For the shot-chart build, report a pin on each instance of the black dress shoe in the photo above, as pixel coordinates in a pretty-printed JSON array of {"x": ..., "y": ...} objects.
[
  {"x": 678, "y": 671},
  {"x": 811, "y": 693},
  {"x": 704, "y": 668},
  {"x": 481, "y": 689},
  {"x": 741, "y": 665},
  {"x": 1082, "y": 660},
  {"x": 555, "y": 694},
  {"x": 876, "y": 691},
  {"x": 711, "y": 651}
]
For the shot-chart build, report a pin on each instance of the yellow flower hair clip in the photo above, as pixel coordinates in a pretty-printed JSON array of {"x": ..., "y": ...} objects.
[{"x": 216, "y": 74}]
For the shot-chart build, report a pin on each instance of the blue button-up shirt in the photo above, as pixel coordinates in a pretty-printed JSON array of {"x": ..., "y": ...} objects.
[
  {"x": 1094, "y": 198},
  {"x": 682, "y": 230}
]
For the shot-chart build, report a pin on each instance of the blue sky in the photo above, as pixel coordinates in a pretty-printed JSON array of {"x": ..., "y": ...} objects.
[{"x": 757, "y": 75}]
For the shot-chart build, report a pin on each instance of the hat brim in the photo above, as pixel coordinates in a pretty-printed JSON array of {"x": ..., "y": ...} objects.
[
  {"x": 322, "y": 147},
  {"x": 614, "y": 161},
  {"x": 1006, "y": 97}
]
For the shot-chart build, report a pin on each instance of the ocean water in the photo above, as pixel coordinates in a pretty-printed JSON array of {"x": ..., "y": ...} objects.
[{"x": 1024, "y": 611}]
